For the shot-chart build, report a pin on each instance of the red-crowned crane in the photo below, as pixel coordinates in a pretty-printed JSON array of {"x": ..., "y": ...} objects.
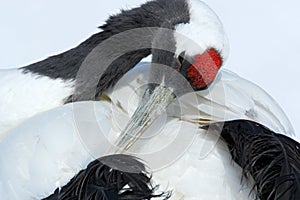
[{"x": 188, "y": 47}]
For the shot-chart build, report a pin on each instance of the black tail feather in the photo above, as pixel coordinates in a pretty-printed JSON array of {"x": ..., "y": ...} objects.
[
  {"x": 272, "y": 159},
  {"x": 115, "y": 177}
]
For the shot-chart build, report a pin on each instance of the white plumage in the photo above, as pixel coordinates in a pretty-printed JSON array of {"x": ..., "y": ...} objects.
[
  {"x": 24, "y": 95},
  {"x": 205, "y": 30},
  {"x": 46, "y": 151}
]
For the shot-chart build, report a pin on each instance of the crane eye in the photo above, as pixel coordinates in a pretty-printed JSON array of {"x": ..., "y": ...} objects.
[{"x": 180, "y": 58}]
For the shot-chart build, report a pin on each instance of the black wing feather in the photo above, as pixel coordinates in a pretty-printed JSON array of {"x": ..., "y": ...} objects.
[
  {"x": 115, "y": 177},
  {"x": 272, "y": 159}
]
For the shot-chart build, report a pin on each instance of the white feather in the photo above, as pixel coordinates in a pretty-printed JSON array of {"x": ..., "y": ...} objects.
[
  {"x": 24, "y": 95},
  {"x": 46, "y": 151},
  {"x": 230, "y": 97},
  {"x": 204, "y": 30}
]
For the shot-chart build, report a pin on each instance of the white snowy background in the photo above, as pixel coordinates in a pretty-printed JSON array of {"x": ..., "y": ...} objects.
[{"x": 264, "y": 37}]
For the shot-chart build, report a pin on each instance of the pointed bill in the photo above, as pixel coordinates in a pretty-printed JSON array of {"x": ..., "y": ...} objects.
[{"x": 152, "y": 105}]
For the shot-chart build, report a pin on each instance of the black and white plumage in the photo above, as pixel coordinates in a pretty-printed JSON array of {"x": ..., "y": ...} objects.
[
  {"x": 63, "y": 141},
  {"x": 69, "y": 158},
  {"x": 271, "y": 159},
  {"x": 59, "y": 79},
  {"x": 111, "y": 177}
]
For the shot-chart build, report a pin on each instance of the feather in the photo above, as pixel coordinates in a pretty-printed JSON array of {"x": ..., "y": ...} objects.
[
  {"x": 271, "y": 159},
  {"x": 114, "y": 177}
]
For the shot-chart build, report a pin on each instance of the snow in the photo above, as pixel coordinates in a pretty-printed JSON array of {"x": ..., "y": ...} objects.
[{"x": 263, "y": 37}]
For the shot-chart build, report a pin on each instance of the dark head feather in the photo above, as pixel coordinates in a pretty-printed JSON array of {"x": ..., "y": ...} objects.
[
  {"x": 272, "y": 159},
  {"x": 114, "y": 177},
  {"x": 67, "y": 65}
]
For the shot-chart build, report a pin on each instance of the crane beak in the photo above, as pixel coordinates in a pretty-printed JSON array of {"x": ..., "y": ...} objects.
[{"x": 152, "y": 105}]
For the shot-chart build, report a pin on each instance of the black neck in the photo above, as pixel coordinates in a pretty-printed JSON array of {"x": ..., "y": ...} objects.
[{"x": 152, "y": 14}]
